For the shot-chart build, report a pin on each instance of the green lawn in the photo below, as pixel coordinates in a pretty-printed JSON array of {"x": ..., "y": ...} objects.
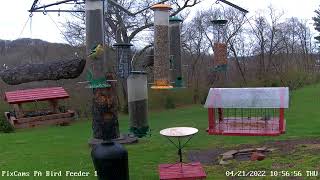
[{"x": 66, "y": 148}]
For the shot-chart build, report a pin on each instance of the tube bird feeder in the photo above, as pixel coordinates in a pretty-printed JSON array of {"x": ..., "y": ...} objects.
[
  {"x": 138, "y": 103},
  {"x": 220, "y": 47},
  {"x": 161, "y": 67},
  {"x": 123, "y": 59},
  {"x": 175, "y": 50}
]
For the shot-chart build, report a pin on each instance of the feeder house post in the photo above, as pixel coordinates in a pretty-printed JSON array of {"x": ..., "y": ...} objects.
[
  {"x": 175, "y": 50},
  {"x": 282, "y": 123},
  {"x": 138, "y": 103},
  {"x": 123, "y": 59},
  {"x": 219, "y": 46},
  {"x": 211, "y": 118},
  {"x": 247, "y": 111},
  {"x": 161, "y": 67}
]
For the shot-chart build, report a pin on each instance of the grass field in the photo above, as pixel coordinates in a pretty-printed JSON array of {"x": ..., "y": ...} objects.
[{"x": 66, "y": 149}]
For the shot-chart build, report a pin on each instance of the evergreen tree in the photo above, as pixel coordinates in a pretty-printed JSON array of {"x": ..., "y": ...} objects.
[{"x": 316, "y": 23}]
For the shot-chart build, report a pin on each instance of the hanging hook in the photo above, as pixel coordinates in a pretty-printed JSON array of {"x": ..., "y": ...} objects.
[
  {"x": 30, "y": 15},
  {"x": 44, "y": 11}
]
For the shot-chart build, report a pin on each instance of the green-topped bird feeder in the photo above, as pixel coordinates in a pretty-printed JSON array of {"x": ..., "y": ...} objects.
[
  {"x": 101, "y": 82},
  {"x": 175, "y": 51}
]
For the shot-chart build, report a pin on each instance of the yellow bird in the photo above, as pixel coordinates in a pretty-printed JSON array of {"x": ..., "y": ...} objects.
[{"x": 96, "y": 52}]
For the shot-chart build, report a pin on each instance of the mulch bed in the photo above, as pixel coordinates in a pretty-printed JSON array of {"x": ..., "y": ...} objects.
[{"x": 211, "y": 156}]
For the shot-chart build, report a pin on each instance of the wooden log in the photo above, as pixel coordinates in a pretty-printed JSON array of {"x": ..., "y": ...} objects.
[
  {"x": 42, "y": 123},
  {"x": 55, "y": 70},
  {"x": 105, "y": 123},
  {"x": 44, "y": 118}
]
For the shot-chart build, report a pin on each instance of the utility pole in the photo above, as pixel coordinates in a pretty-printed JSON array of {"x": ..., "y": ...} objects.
[{"x": 105, "y": 124}]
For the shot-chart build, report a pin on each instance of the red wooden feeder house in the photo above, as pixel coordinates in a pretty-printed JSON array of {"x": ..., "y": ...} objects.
[
  {"x": 20, "y": 118},
  {"x": 247, "y": 111}
]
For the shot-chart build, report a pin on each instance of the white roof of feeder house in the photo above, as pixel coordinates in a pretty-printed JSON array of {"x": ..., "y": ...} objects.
[{"x": 271, "y": 97}]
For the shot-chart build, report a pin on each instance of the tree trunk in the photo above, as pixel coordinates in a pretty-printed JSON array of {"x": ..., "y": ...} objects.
[
  {"x": 66, "y": 69},
  {"x": 238, "y": 63},
  {"x": 105, "y": 113}
]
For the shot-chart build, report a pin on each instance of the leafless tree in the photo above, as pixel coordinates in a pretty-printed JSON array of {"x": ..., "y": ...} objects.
[
  {"x": 234, "y": 37},
  {"x": 196, "y": 46},
  {"x": 232, "y": 32},
  {"x": 124, "y": 27},
  {"x": 121, "y": 26},
  {"x": 260, "y": 47}
]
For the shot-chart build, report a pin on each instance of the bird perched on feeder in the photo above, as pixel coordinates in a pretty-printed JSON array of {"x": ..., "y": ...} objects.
[{"x": 96, "y": 52}]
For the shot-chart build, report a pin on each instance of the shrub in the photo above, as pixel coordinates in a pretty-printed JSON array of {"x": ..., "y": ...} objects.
[{"x": 5, "y": 126}]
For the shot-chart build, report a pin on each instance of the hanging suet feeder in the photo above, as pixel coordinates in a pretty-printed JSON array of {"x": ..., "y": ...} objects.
[
  {"x": 220, "y": 47},
  {"x": 247, "y": 111},
  {"x": 220, "y": 59},
  {"x": 123, "y": 59},
  {"x": 175, "y": 51},
  {"x": 161, "y": 67},
  {"x": 138, "y": 103}
]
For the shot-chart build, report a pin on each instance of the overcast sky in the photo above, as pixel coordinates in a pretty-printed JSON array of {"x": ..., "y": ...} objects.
[{"x": 14, "y": 15}]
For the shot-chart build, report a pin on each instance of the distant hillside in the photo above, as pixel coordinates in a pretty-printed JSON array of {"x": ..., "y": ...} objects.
[{"x": 35, "y": 50}]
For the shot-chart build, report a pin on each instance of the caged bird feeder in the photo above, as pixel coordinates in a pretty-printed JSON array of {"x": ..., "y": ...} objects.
[
  {"x": 161, "y": 67},
  {"x": 175, "y": 51},
  {"x": 138, "y": 103},
  {"x": 219, "y": 46},
  {"x": 247, "y": 111},
  {"x": 123, "y": 59}
]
